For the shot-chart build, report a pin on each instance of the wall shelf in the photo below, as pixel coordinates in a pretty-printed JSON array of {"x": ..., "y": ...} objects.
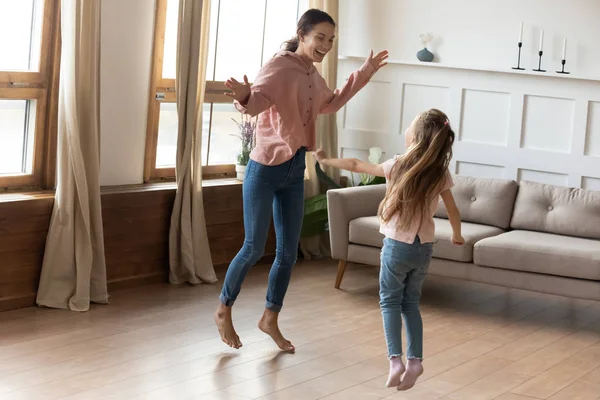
[{"x": 508, "y": 70}]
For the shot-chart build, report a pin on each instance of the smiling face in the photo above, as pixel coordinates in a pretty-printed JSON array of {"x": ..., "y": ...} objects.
[{"x": 315, "y": 44}]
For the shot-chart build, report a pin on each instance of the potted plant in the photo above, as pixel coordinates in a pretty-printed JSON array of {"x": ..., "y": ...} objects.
[{"x": 247, "y": 135}]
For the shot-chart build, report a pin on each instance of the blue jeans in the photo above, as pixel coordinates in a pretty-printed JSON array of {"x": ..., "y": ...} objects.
[
  {"x": 403, "y": 270},
  {"x": 276, "y": 191}
]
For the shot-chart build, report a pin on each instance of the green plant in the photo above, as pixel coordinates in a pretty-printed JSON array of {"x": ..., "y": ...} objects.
[
  {"x": 315, "y": 216},
  {"x": 247, "y": 135},
  {"x": 243, "y": 156},
  {"x": 315, "y": 208}
]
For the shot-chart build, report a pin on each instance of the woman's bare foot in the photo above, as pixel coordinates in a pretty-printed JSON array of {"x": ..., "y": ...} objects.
[
  {"x": 396, "y": 370},
  {"x": 414, "y": 370},
  {"x": 225, "y": 326},
  {"x": 268, "y": 324}
]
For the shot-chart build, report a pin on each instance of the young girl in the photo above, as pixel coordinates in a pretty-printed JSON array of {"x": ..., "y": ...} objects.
[
  {"x": 288, "y": 94},
  {"x": 415, "y": 181}
]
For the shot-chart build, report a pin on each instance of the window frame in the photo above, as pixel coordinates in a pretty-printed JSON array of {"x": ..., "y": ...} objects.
[
  {"x": 41, "y": 86},
  {"x": 214, "y": 93}
]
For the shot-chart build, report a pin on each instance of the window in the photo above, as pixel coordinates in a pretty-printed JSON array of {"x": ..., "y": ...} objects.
[
  {"x": 28, "y": 54},
  {"x": 229, "y": 55}
]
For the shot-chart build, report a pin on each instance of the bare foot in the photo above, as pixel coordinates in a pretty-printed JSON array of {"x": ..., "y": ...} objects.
[
  {"x": 396, "y": 370},
  {"x": 225, "y": 326},
  {"x": 268, "y": 324},
  {"x": 413, "y": 371}
]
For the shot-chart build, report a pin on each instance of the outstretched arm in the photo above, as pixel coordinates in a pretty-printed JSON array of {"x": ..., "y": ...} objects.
[
  {"x": 350, "y": 164},
  {"x": 334, "y": 100},
  {"x": 247, "y": 98},
  {"x": 252, "y": 99}
]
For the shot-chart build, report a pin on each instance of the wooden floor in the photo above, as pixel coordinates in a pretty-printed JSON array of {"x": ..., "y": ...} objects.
[{"x": 159, "y": 342}]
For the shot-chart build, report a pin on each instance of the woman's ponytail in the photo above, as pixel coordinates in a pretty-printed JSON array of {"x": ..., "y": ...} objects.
[{"x": 292, "y": 44}]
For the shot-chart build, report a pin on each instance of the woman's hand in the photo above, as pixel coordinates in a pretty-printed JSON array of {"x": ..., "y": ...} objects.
[
  {"x": 239, "y": 91},
  {"x": 378, "y": 61}
]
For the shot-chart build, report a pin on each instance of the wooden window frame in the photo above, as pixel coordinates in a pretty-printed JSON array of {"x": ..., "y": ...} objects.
[
  {"x": 166, "y": 87},
  {"x": 41, "y": 86}
]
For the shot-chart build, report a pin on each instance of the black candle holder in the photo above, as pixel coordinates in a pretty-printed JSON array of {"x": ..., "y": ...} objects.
[
  {"x": 563, "y": 62},
  {"x": 539, "y": 69},
  {"x": 519, "y": 59}
]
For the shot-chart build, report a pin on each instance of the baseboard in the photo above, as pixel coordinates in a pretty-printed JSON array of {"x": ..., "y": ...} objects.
[
  {"x": 21, "y": 301},
  {"x": 136, "y": 281},
  {"x": 130, "y": 282}
]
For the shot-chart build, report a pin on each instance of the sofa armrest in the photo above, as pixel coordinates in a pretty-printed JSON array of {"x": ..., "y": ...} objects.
[{"x": 345, "y": 205}]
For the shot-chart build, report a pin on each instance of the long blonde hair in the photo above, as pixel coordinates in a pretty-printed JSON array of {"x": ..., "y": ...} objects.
[{"x": 417, "y": 176}]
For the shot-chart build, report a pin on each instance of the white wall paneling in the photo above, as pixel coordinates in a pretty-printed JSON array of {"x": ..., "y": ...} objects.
[
  {"x": 512, "y": 124},
  {"x": 580, "y": 127},
  {"x": 418, "y": 97},
  {"x": 548, "y": 123},
  {"x": 480, "y": 170},
  {"x": 485, "y": 117},
  {"x": 379, "y": 102},
  {"x": 549, "y": 178},
  {"x": 591, "y": 183},
  {"x": 366, "y": 113},
  {"x": 593, "y": 129},
  {"x": 475, "y": 33},
  {"x": 508, "y": 125}
]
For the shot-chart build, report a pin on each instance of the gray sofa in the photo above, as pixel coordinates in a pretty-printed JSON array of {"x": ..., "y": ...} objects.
[{"x": 523, "y": 235}]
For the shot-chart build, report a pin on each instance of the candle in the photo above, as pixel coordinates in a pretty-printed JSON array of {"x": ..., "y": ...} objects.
[
  {"x": 542, "y": 41},
  {"x": 564, "y": 56},
  {"x": 521, "y": 34}
]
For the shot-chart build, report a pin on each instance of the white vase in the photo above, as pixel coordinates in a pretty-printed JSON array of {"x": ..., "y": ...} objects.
[{"x": 240, "y": 171}]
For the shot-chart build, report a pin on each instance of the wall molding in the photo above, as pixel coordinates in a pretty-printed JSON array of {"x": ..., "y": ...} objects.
[
  {"x": 549, "y": 74},
  {"x": 511, "y": 126}
]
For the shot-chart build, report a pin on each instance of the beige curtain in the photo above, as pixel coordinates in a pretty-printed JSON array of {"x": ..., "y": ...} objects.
[
  {"x": 326, "y": 134},
  {"x": 189, "y": 252},
  {"x": 74, "y": 268}
]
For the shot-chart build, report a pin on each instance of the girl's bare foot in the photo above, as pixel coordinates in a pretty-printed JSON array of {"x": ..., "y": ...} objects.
[
  {"x": 396, "y": 370},
  {"x": 269, "y": 325},
  {"x": 414, "y": 370},
  {"x": 225, "y": 326}
]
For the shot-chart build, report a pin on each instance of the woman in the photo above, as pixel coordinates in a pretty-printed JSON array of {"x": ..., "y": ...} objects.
[{"x": 288, "y": 94}]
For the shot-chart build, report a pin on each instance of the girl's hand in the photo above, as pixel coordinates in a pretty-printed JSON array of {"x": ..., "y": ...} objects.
[
  {"x": 241, "y": 91},
  {"x": 378, "y": 61},
  {"x": 320, "y": 155},
  {"x": 458, "y": 241}
]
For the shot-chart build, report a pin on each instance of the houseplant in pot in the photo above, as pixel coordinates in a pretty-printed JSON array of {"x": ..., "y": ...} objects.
[{"x": 247, "y": 135}]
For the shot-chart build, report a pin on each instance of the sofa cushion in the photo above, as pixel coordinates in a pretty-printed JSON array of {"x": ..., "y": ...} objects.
[
  {"x": 472, "y": 233},
  {"x": 540, "y": 252},
  {"x": 555, "y": 209},
  {"x": 482, "y": 201},
  {"x": 365, "y": 231}
]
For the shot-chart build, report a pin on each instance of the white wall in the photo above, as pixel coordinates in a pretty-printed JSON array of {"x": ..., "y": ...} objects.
[
  {"x": 475, "y": 33},
  {"x": 126, "y": 60},
  {"x": 510, "y": 125}
]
